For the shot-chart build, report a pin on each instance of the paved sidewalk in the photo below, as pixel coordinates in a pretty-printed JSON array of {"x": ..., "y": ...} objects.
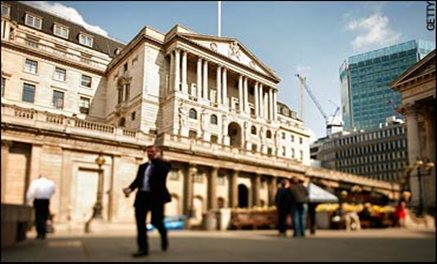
[{"x": 223, "y": 246}]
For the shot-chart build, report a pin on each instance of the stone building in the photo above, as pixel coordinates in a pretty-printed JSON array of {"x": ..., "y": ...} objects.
[
  {"x": 379, "y": 153},
  {"x": 417, "y": 89},
  {"x": 70, "y": 96}
]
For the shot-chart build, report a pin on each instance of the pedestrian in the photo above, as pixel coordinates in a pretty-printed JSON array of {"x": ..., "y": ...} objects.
[
  {"x": 299, "y": 197},
  {"x": 283, "y": 203},
  {"x": 401, "y": 213},
  {"x": 40, "y": 191},
  {"x": 151, "y": 195},
  {"x": 312, "y": 216}
]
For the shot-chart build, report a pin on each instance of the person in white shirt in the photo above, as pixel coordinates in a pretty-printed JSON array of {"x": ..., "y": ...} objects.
[{"x": 40, "y": 192}]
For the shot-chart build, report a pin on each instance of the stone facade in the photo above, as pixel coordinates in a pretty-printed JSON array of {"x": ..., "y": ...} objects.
[
  {"x": 207, "y": 101},
  {"x": 417, "y": 89}
]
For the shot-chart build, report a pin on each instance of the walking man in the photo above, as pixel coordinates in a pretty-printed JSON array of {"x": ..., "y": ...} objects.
[
  {"x": 40, "y": 192},
  {"x": 299, "y": 196},
  {"x": 283, "y": 203},
  {"x": 151, "y": 196}
]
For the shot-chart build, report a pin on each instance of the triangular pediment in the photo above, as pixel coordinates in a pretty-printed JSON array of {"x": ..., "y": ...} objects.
[
  {"x": 232, "y": 49},
  {"x": 427, "y": 64}
]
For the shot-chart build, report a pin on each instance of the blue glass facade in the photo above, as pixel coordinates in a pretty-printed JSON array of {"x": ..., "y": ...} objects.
[{"x": 366, "y": 97}]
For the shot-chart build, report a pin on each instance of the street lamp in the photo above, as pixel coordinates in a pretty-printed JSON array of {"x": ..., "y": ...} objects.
[
  {"x": 98, "y": 207},
  {"x": 419, "y": 164}
]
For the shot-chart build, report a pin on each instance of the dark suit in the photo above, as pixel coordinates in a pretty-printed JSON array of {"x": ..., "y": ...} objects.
[{"x": 152, "y": 200}]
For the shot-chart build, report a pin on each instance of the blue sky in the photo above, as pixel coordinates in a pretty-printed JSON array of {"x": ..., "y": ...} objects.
[{"x": 310, "y": 38}]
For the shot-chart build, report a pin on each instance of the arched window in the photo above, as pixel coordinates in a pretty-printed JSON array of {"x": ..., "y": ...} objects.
[
  {"x": 214, "y": 119},
  {"x": 193, "y": 113},
  {"x": 268, "y": 134},
  {"x": 253, "y": 130}
]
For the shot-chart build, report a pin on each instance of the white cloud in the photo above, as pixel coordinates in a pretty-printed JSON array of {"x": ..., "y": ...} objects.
[
  {"x": 373, "y": 32},
  {"x": 67, "y": 13}
]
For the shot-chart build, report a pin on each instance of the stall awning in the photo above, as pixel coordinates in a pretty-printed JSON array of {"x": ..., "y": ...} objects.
[{"x": 319, "y": 195}]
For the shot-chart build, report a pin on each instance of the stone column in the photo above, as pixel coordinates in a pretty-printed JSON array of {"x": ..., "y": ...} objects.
[
  {"x": 233, "y": 189},
  {"x": 266, "y": 106},
  {"x": 6, "y": 145},
  {"x": 172, "y": 67},
  {"x": 35, "y": 157},
  {"x": 272, "y": 190},
  {"x": 205, "y": 79},
  {"x": 219, "y": 85},
  {"x": 275, "y": 106},
  {"x": 246, "y": 96},
  {"x": 256, "y": 183},
  {"x": 256, "y": 100},
  {"x": 177, "y": 78},
  {"x": 413, "y": 150},
  {"x": 212, "y": 186},
  {"x": 429, "y": 179},
  {"x": 270, "y": 103},
  {"x": 199, "y": 78},
  {"x": 261, "y": 101},
  {"x": 240, "y": 93},
  {"x": 188, "y": 189},
  {"x": 225, "y": 87},
  {"x": 184, "y": 72}
]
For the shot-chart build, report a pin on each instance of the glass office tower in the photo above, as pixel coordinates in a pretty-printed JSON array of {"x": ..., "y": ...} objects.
[{"x": 366, "y": 97}]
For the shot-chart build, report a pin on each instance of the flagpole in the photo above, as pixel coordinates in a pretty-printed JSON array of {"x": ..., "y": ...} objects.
[{"x": 219, "y": 17}]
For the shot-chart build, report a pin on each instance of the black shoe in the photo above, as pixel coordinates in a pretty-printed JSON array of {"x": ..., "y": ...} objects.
[
  {"x": 164, "y": 244},
  {"x": 140, "y": 253}
]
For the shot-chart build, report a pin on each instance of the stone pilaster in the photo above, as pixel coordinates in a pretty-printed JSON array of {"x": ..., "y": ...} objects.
[
  {"x": 272, "y": 190},
  {"x": 275, "y": 110},
  {"x": 240, "y": 93},
  {"x": 256, "y": 183},
  {"x": 256, "y": 100},
  {"x": 212, "y": 185},
  {"x": 246, "y": 96},
  {"x": 261, "y": 100},
  {"x": 270, "y": 104},
  {"x": 6, "y": 145},
  {"x": 188, "y": 189},
  {"x": 233, "y": 189}
]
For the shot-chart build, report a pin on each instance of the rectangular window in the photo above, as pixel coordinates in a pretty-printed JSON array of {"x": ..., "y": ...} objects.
[
  {"x": 31, "y": 66},
  {"x": 86, "y": 81},
  {"x": 6, "y": 10},
  {"x": 85, "y": 40},
  {"x": 3, "y": 86},
  {"x": 28, "y": 93},
  {"x": 133, "y": 116},
  {"x": 125, "y": 67},
  {"x": 61, "y": 31},
  {"x": 33, "y": 21},
  {"x": 84, "y": 106},
  {"x": 58, "y": 99},
  {"x": 60, "y": 74}
]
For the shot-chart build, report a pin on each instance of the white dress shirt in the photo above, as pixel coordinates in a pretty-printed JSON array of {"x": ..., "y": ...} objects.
[
  {"x": 147, "y": 173},
  {"x": 41, "y": 188}
]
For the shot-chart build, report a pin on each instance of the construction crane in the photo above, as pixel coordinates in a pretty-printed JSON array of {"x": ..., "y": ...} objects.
[{"x": 331, "y": 122}]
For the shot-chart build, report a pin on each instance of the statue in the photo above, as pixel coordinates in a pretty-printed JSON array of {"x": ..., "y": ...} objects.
[
  {"x": 234, "y": 50},
  {"x": 181, "y": 114}
]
